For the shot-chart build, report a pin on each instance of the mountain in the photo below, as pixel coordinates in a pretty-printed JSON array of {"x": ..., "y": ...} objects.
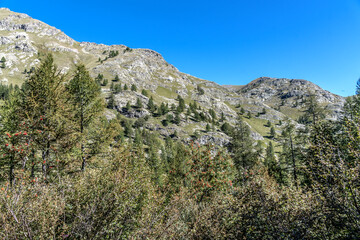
[{"x": 24, "y": 41}]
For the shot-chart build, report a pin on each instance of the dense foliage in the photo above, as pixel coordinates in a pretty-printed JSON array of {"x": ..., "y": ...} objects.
[{"x": 67, "y": 172}]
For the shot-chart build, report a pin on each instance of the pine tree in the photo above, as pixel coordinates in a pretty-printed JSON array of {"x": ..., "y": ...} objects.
[
  {"x": 207, "y": 128},
  {"x": 87, "y": 104},
  {"x": 313, "y": 111},
  {"x": 116, "y": 79},
  {"x": 151, "y": 106},
  {"x": 181, "y": 106},
  {"x": 212, "y": 114},
  {"x": 249, "y": 115},
  {"x": 3, "y": 61},
  {"x": 268, "y": 123},
  {"x": 111, "y": 101},
  {"x": 144, "y": 92},
  {"x": 46, "y": 105},
  {"x": 242, "y": 149},
  {"x": 271, "y": 164},
  {"x": 292, "y": 144},
  {"x": 117, "y": 88},
  {"x": 128, "y": 129},
  {"x": 138, "y": 103},
  {"x": 200, "y": 90},
  {"x": 125, "y": 87},
  {"x": 128, "y": 106},
  {"x": 222, "y": 118},
  {"x": 10, "y": 122},
  {"x": 272, "y": 133},
  {"x": 105, "y": 82},
  {"x": 177, "y": 119},
  {"x": 133, "y": 88}
]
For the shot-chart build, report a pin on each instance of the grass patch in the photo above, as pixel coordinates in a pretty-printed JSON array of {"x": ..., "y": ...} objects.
[
  {"x": 165, "y": 92},
  {"x": 258, "y": 125},
  {"x": 293, "y": 113}
]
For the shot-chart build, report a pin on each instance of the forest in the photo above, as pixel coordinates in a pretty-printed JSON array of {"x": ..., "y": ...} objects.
[{"x": 68, "y": 172}]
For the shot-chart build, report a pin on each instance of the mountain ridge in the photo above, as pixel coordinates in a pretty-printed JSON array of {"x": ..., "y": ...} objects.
[{"x": 24, "y": 40}]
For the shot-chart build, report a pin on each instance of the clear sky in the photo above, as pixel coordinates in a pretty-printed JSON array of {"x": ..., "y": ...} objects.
[{"x": 229, "y": 41}]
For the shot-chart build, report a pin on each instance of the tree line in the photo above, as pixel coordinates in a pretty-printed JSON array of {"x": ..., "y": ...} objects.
[{"x": 67, "y": 172}]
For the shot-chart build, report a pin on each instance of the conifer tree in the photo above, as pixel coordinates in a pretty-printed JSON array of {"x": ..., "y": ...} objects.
[
  {"x": 241, "y": 147},
  {"x": 177, "y": 119},
  {"x": 181, "y": 106},
  {"x": 46, "y": 105},
  {"x": 313, "y": 111},
  {"x": 3, "y": 61},
  {"x": 87, "y": 104},
  {"x": 144, "y": 92},
  {"x": 272, "y": 133},
  {"x": 271, "y": 164},
  {"x": 291, "y": 151},
  {"x": 133, "y": 88},
  {"x": 128, "y": 106},
  {"x": 138, "y": 103},
  {"x": 151, "y": 106},
  {"x": 10, "y": 122},
  {"x": 117, "y": 88}
]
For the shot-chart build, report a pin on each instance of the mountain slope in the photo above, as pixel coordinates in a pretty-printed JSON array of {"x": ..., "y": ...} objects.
[{"x": 23, "y": 42}]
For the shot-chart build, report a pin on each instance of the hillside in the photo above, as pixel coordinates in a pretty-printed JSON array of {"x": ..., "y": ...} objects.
[{"x": 24, "y": 41}]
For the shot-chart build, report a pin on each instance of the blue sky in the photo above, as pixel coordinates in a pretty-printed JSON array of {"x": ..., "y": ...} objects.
[{"x": 228, "y": 41}]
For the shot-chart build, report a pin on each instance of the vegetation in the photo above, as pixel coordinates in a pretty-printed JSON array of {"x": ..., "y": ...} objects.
[{"x": 67, "y": 172}]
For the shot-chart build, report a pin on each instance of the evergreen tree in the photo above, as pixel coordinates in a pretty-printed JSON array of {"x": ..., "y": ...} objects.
[
  {"x": 177, "y": 119},
  {"x": 111, "y": 101},
  {"x": 292, "y": 144},
  {"x": 268, "y": 123},
  {"x": 181, "y": 107},
  {"x": 272, "y": 133},
  {"x": 242, "y": 149},
  {"x": 116, "y": 79},
  {"x": 128, "y": 129},
  {"x": 200, "y": 90},
  {"x": 144, "y": 92},
  {"x": 117, "y": 88},
  {"x": 104, "y": 82},
  {"x": 10, "y": 122},
  {"x": 125, "y": 87},
  {"x": 138, "y": 141},
  {"x": 313, "y": 111},
  {"x": 271, "y": 164},
  {"x": 128, "y": 106},
  {"x": 3, "y": 61},
  {"x": 133, "y": 88},
  {"x": 99, "y": 79},
  {"x": 212, "y": 114},
  {"x": 207, "y": 129},
  {"x": 46, "y": 104},
  {"x": 87, "y": 104},
  {"x": 227, "y": 128},
  {"x": 249, "y": 115},
  {"x": 222, "y": 118},
  {"x": 151, "y": 106},
  {"x": 242, "y": 111},
  {"x": 138, "y": 103}
]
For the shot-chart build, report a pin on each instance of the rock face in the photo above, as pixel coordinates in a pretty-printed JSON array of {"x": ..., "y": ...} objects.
[{"x": 24, "y": 41}]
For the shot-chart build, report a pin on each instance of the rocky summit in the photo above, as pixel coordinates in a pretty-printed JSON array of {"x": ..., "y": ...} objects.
[{"x": 24, "y": 41}]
